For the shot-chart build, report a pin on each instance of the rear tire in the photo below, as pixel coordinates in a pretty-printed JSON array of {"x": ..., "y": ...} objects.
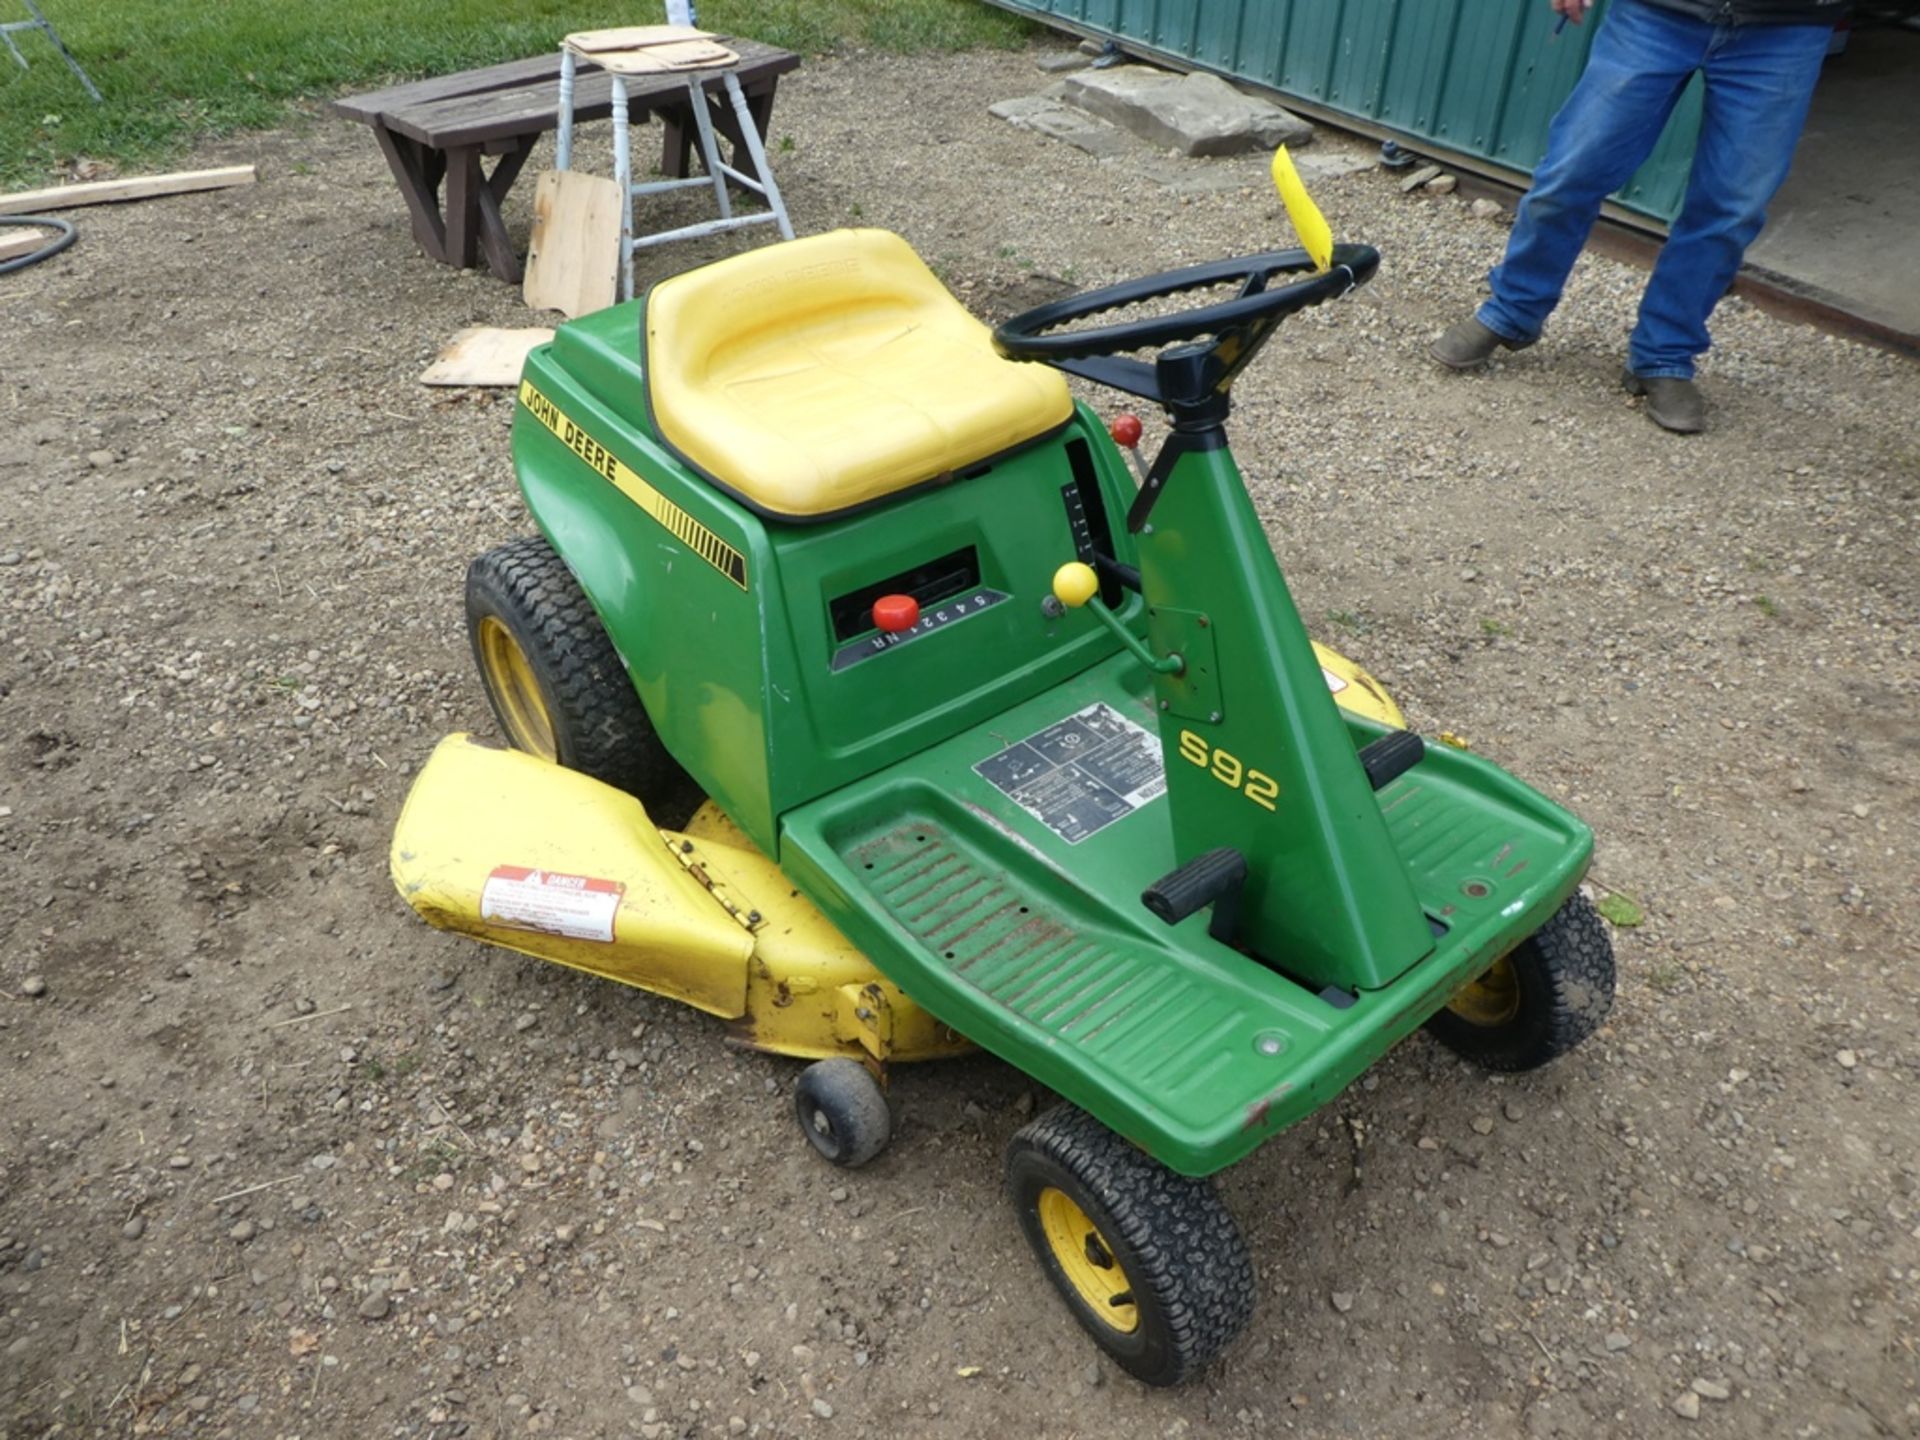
[
  {"x": 556, "y": 684},
  {"x": 1151, "y": 1263},
  {"x": 1540, "y": 1001}
]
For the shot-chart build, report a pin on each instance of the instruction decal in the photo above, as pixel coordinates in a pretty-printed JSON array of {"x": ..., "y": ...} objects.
[
  {"x": 549, "y": 903},
  {"x": 1079, "y": 776},
  {"x": 689, "y": 531}
]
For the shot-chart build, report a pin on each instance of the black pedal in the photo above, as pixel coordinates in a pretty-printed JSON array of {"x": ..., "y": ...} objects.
[
  {"x": 1391, "y": 756},
  {"x": 1212, "y": 879}
]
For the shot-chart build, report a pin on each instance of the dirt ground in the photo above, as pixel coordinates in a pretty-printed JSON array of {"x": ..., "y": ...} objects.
[{"x": 277, "y": 1160}]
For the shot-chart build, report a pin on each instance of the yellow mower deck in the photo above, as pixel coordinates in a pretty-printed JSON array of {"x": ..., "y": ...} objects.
[
  {"x": 518, "y": 852},
  {"x": 514, "y": 850}
]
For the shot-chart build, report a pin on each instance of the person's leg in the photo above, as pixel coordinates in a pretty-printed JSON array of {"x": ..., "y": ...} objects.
[
  {"x": 1642, "y": 58},
  {"x": 1760, "y": 81}
]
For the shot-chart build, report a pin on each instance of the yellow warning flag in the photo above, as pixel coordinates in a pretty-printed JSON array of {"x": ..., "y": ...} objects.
[{"x": 1316, "y": 237}]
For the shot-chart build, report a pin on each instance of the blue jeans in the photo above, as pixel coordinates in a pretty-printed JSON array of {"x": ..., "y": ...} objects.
[{"x": 1759, "y": 81}]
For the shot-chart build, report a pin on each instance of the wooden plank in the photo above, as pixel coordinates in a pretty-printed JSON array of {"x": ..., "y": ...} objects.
[
  {"x": 494, "y": 240},
  {"x": 575, "y": 253},
  {"x": 484, "y": 355},
  {"x": 370, "y": 106},
  {"x": 14, "y": 242},
  {"x": 463, "y": 205},
  {"x": 523, "y": 110},
  {"x": 760, "y": 107},
  {"x": 136, "y": 187},
  {"x": 413, "y": 168}
]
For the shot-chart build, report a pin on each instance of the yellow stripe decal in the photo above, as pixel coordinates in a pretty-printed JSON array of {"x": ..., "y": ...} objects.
[{"x": 689, "y": 531}]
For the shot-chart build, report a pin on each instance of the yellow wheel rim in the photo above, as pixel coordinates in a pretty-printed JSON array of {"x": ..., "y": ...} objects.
[
  {"x": 1493, "y": 999},
  {"x": 1087, "y": 1261},
  {"x": 516, "y": 694}
]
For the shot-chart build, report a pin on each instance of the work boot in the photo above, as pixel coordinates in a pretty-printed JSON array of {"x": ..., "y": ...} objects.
[
  {"x": 1672, "y": 403},
  {"x": 1467, "y": 345}
]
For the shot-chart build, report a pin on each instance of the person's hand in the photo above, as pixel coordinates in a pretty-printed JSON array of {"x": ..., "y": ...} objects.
[{"x": 1574, "y": 10}]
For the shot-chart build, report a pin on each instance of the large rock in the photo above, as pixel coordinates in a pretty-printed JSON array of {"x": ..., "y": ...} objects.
[{"x": 1198, "y": 114}]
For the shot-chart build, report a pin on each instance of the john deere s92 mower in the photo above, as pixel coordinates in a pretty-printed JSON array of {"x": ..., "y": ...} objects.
[{"x": 998, "y": 747}]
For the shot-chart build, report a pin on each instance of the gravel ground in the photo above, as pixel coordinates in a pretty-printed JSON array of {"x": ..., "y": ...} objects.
[{"x": 276, "y": 1160}]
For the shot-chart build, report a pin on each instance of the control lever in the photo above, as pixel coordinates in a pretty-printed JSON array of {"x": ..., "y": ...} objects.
[
  {"x": 1126, "y": 430},
  {"x": 1074, "y": 584}
]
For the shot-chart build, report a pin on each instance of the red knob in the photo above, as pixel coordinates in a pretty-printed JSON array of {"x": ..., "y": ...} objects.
[
  {"x": 894, "y": 613},
  {"x": 1126, "y": 430}
]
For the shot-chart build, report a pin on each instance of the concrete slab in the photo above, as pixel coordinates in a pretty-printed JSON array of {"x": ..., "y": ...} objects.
[
  {"x": 1842, "y": 226},
  {"x": 1198, "y": 114},
  {"x": 1047, "y": 115}
]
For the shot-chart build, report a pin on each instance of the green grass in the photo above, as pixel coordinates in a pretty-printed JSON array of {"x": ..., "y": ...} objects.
[{"x": 173, "y": 73}]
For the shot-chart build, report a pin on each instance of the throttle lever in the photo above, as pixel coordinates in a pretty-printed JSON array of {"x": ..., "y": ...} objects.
[{"x": 1126, "y": 430}]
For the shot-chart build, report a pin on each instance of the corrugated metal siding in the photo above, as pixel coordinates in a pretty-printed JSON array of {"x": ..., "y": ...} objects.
[{"x": 1480, "y": 77}]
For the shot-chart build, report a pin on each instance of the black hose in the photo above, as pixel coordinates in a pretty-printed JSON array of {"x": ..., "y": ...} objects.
[{"x": 53, "y": 247}]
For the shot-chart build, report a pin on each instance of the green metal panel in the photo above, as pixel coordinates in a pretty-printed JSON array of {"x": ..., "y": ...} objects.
[
  {"x": 1482, "y": 78},
  {"x": 1325, "y": 889}
]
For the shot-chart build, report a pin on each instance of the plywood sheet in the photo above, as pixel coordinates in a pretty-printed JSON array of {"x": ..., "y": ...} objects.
[
  {"x": 666, "y": 59},
  {"x": 134, "y": 187},
  {"x": 484, "y": 355},
  {"x": 633, "y": 37},
  {"x": 15, "y": 242},
  {"x": 576, "y": 243},
  {"x": 651, "y": 49}
]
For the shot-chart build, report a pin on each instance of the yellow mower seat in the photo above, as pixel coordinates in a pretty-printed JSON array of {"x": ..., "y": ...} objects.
[{"x": 826, "y": 373}]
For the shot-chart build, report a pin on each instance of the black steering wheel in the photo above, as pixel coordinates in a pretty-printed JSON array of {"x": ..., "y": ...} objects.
[{"x": 1238, "y": 326}]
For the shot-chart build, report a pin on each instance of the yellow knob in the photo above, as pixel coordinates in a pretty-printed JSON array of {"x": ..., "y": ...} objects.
[{"x": 1074, "y": 584}]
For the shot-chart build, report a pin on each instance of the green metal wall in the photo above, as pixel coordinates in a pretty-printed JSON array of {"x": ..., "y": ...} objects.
[{"x": 1479, "y": 77}]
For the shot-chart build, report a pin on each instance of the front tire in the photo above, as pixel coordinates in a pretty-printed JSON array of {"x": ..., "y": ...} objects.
[
  {"x": 1151, "y": 1263},
  {"x": 1538, "y": 1002},
  {"x": 842, "y": 1112},
  {"x": 556, "y": 684}
]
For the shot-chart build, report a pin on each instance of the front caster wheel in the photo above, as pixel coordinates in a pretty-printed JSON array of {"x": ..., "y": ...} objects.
[
  {"x": 1151, "y": 1263},
  {"x": 842, "y": 1111},
  {"x": 1538, "y": 1002}
]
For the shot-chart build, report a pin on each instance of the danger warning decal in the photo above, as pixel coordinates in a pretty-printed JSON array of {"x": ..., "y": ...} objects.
[
  {"x": 576, "y": 906},
  {"x": 689, "y": 531}
]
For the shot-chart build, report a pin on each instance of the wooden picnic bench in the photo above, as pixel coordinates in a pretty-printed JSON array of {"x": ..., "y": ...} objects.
[{"x": 436, "y": 132}]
